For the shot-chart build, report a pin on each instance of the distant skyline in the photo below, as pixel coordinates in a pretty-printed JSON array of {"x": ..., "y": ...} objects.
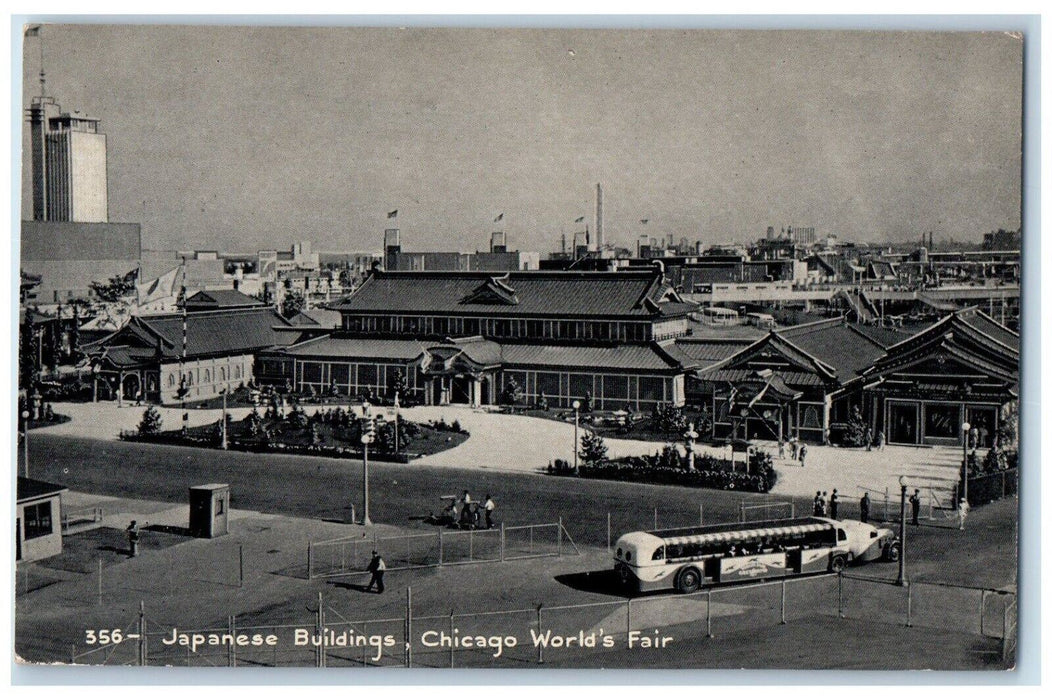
[{"x": 240, "y": 138}]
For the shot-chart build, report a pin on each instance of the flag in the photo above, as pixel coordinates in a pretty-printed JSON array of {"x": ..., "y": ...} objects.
[
  {"x": 643, "y": 221},
  {"x": 392, "y": 214},
  {"x": 499, "y": 217},
  {"x": 32, "y": 30},
  {"x": 578, "y": 220}
]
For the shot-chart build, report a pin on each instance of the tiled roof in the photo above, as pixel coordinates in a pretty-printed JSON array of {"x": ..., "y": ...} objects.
[
  {"x": 840, "y": 346},
  {"x": 221, "y": 299},
  {"x": 565, "y": 294},
  {"x": 707, "y": 351},
  {"x": 317, "y": 317},
  {"x": 984, "y": 324},
  {"x": 624, "y": 357},
  {"x": 792, "y": 379},
  {"x": 358, "y": 348}
]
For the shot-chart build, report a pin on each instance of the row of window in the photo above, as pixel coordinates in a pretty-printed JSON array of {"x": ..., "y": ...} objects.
[
  {"x": 38, "y": 520},
  {"x": 607, "y": 391},
  {"x": 502, "y": 328},
  {"x": 354, "y": 378},
  {"x": 221, "y": 375}
]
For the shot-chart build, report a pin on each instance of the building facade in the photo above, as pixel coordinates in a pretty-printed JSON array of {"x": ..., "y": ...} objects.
[
  {"x": 38, "y": 519},
  {"x": 478, "y": 338}
]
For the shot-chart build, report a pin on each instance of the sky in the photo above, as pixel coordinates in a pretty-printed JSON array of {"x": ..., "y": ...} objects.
[{"x": 243, "y": 138}]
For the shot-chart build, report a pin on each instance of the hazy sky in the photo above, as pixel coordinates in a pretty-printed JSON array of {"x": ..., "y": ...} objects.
[{"x": 245, "y": 138}]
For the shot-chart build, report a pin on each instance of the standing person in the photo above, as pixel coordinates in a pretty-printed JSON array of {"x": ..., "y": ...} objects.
[
  {"x": 816, "y": 505},
  {"x": 793, "y": 447},
  {"x": 803, "y": 454},
  {"x": 133, "y": 539},
  {"x": 869, "y": 439},
  {"x": 880, "y": 440},
  {"x": 915, "y": 503},
  {"x": 467, "y": 498},
  {"x": 834, "y": 504},
  {"x": 863, "y": 508},
  {"x": 376, "y": 567},
  {"x": 490, "y": 506},
  {"x": 781, "y": 449},
  {"x": 824, "y": 503}
]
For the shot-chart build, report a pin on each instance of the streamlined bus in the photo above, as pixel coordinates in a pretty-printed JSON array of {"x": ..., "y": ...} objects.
[{"x": 688, "y": 558}]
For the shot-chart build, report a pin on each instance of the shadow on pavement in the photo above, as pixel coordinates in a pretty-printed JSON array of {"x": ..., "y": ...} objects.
[{"x": 603, "y": 581}]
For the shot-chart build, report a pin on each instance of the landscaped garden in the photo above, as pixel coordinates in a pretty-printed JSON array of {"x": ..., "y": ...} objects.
[
  {"x": 755, "y": 472},
  {"x": 328, "y": 432}
]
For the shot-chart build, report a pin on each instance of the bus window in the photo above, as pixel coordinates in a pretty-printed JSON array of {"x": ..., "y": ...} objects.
[
  {"x": 628, "y": 555},
  {"x": 841, "y": 536},
  {"x": 659, "y": 554},
  {"x": 872, "y": 534}
]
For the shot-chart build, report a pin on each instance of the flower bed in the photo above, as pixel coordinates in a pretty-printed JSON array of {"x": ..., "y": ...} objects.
[{"x": 668, "y": 467}]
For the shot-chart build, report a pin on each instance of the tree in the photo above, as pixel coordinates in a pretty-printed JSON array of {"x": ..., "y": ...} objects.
[
  {"x": 855, "y": 432},
  {"x": 512, "y": 393},
  {"x": 593, "y": 448},
  {"x": 28, "y": 367},
  {"x": 151, "y": 421},
  {"x": 118, "y": 287},
  {"x": 398, "y": 386},
  {"x": 293, "y": 303},
  {"x": 668, "y": 419}
]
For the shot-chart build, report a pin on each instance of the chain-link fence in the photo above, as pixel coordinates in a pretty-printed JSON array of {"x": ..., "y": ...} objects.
[
  {"x": 351, "y": 555},
  {"x": 561, "y": 634}
]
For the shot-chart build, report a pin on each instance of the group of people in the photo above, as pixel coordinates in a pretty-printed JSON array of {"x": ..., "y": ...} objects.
[
  {"x": 825, "y": 504},
  {"x": 468, "y": 514},
  {"x": 864, "y": 506},
  {"x": 870, "y": 443},
  {"x": 797, "y": 450}
]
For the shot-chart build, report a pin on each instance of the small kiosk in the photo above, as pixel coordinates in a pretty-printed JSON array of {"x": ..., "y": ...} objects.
[{"x": 209, "y": 507}]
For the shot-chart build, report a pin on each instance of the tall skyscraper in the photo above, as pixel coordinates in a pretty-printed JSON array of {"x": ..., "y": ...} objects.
[{"x": 69, "y": 165}]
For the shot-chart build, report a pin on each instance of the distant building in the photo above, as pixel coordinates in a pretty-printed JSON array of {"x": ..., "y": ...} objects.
[
  {"x": 68, "y": 256},
  {"x": 1002, "y": 240},
  {"x": 68, "y": 155}
]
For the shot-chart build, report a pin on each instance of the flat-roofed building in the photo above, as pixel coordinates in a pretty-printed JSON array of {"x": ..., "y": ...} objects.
[{"x": 38, "y": 519}]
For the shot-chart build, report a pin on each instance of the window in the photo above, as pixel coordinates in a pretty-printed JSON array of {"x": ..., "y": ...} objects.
[
  {"x": 38, "y": 520},
  {"x": 208, "y": 377},
  {"x": 171, "y": 381},
  {"x": 237, "y": 372},
  {"x": 222, "y": 374},
  {"x": 219, "y": 506},
  {"x": 841, "y": 536},
  {"x": 659, "y": 554}
]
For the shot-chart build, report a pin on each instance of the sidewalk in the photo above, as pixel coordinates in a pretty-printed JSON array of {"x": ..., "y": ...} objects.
[{"x": 527, "y": 444}]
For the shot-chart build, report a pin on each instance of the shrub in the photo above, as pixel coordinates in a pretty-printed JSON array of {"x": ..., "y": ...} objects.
[
  {"x": 667, "y": 467},
  {"x": 593, "y": 448},
  {"x": 151, "y": 421}
]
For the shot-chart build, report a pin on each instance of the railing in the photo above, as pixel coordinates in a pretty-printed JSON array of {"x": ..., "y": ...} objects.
[
  {"x": 81, "y": 519},
  {"x": 351, "y": 555},
  {"x": 992, "y": 487}
]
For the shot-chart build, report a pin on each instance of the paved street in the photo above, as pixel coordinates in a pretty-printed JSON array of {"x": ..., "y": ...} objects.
[{"x": 526, "y": 444}]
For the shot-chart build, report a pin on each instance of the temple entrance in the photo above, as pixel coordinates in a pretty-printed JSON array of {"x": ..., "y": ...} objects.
[
  {"x": 461, "y": 390},
  {"x": 902, "y": 423},
  {"x": 130, "y": 387}
]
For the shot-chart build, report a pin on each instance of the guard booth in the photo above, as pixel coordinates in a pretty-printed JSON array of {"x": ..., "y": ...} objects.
[{"x": 209, "y": 507}]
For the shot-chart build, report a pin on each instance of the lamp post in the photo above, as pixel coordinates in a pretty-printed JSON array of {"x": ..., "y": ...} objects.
[
  {"x": 396, "y": 423},
  {"x": 691, "y": 435},
  {"x": 366, "y": 439},
  {"x": 576, "y": 424},
  {"x": 964, "y": 451},
  {"x": 25, "y": 440},
  {"x": 95, "y": 369},
  {"x": 222, "y": 419},
  {"x": 902, "y": 581}
]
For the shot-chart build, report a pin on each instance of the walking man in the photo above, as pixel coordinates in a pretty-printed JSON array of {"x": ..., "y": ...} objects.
[
  {"x": 816, "y": 505},
  {"x": 376, "y": 567},
  {"x": 834, "y": 503},
  {"x": 489, "y": 506},
  {"x": 863, "y": 508},
  {"x": 803, "y": 454},
  {"x": 869, "y": 439},
  {"x": 915, "y": 503},
  {"x": 822, "y": 504}
]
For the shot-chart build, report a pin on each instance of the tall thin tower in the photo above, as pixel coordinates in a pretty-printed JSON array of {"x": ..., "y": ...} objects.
[{"x": 599, "y": 216}]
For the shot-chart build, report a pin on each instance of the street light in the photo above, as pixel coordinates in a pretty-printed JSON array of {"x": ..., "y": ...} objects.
[
  {"x": 25, "y": 439},
  {"x": 95, "y": 369},
  {"x": 222, "y": 419},
  {"x": 576, "y": 423},
  {"x": 964, "y": 451},
  {"x": 366, "y": 439},
  {"x": 902, "y": 581}
]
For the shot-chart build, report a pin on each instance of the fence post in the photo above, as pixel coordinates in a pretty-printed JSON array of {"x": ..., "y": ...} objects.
[
  {"x": 741, "y": 511},
  {"x": 840, "y": 595},
  {"x": 502, "y": 540},
  {"x": 655, "y": 518},
  {"x": 540, "y": 647},
  {"x": 909, "y": 605},
  {"x": 409, "y": 627},
  {"x": 607, "y": 532},
  {"x": 982, "y": 613},
  {"x": 559, "y": 545},
  {"x": 471, "y": 545},
  {"x": 451, "y": 634},
  {"x": 440, "y": 547},
  {"x": 100, "y": 580},
  {"x": 231, "y": 658},
  {"x": 708, "y": 614},
  {"x": 783, "y": 601},
  {"x": 142, "y": 633},
  {"x": 310, "y": 560},
  {"x": 321, "y": 632},
  {"x": 701, "y": 513},
  {"x": 240, "y": 565}
]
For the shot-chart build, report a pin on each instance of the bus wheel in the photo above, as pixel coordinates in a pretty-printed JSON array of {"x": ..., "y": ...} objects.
[
  {"x": 838, "y": 564},
  {"x": 688, "y": 581},
  {"x": 895, "y": 552}
]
